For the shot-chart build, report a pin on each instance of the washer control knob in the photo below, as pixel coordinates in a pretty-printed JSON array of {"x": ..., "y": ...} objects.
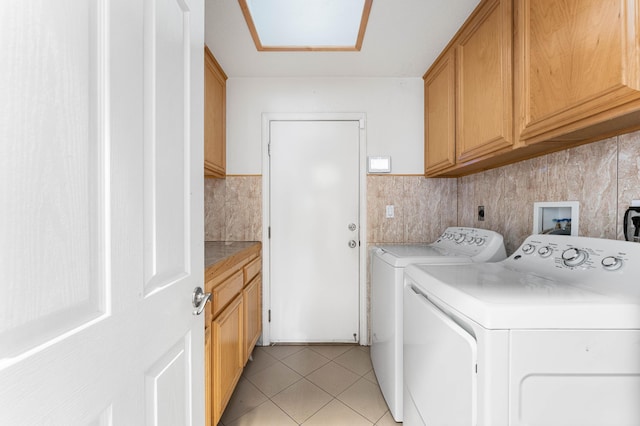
[
  {"x": 528, "y": 248},
  {"x": 611, "y": 263},
  {"x": 460, "y": 238},
  {"x": 479, "y": 241},
  {"x": 470, "y": 239},
  {"x": 574, "y": 257},
  {"x": 545, "y": 251}
]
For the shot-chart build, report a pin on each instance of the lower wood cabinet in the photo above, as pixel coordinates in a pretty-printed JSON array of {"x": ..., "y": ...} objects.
[
  {"x": 208, "y": 392},
  {"x": 227, "y": 354},
  {"x": 252, "y": 298},
  {"x": 233, "y": 324}
]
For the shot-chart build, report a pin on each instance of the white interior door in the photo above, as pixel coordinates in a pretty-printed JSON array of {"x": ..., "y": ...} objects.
[
  {"x": 314, "y": 215},
  {"x": 101, "y": 212}
]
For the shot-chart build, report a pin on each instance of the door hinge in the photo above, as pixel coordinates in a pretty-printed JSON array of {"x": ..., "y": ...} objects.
[
  {"x": 269, "y": 232},
  {"x": 269, "y": 315},
  {"x": 269, "y": 149}
]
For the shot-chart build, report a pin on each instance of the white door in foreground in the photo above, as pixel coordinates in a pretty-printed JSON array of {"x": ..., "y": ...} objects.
[{"x": 101, "y": 212}]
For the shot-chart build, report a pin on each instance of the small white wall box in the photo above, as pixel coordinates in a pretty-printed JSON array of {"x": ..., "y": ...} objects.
[
  {"x": 560, "y": 217},
  {"x": 379, "y": 164}
]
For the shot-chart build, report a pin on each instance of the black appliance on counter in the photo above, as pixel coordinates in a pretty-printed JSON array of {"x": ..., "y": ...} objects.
[{"x": 632, "y": 223}]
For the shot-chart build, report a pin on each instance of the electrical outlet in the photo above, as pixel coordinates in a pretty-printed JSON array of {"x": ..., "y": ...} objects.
[
  {"x": 481, "y": 213},
  {"x": 390, "y": 212}
]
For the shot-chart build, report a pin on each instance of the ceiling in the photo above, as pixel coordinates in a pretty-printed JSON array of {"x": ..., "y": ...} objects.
[{"x": 403, "y": 38}]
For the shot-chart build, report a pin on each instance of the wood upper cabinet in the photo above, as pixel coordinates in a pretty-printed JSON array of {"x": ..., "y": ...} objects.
[
  {"x": 484, "y": 84},
  {"x": 439, "y": 115},
  {"x": 469, "y": 93},
  {"x": 577, "y": 68},
  {"x": 533, "y": 77},
  {"x": 215, "y": 98}
]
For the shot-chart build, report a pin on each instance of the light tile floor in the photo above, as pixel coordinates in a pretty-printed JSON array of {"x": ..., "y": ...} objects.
[{"x": 308, "y": 385}]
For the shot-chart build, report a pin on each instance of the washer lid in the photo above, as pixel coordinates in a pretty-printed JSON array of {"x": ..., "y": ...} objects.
[
  {"x": 401, "y": 255},
  {"x": 498, "y": 296}
]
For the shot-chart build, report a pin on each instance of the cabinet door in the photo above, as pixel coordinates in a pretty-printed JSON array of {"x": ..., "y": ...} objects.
[
  {"x": 439, "y": 116},
  {"x": 577, "y": 65},
  {"x": 208, "y": 401},
  {"x": 484, "y": 107},
  {"x": 214, "y": 117},
  {"x": 228, "y": 354},
  {"x": 252, "y": 295}
]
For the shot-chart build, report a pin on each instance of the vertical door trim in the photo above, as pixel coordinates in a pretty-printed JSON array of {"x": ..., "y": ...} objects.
[{"x": 363, "y": 337}]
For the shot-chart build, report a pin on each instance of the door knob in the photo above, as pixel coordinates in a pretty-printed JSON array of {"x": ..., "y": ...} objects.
[
  {"x": 199, "y": 300},
  {"x": 352, "y": 227},
  {"x": 352, "y": 244}
]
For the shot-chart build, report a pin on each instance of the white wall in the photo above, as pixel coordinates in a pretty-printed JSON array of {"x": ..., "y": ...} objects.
[{"x": 393, "y": 106}]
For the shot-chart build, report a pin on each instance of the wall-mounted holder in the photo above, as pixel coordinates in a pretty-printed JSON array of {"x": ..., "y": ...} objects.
[{"x": 559, "y": 217}]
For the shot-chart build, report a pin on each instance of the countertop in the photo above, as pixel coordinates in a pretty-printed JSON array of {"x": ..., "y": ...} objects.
[{"x": 218, "y": 251}]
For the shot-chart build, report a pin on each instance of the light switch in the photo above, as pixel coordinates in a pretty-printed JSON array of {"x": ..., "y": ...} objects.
[{"x": 390, "y": 212}]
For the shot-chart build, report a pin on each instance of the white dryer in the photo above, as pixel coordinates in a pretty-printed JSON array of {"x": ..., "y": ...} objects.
[
  {"x": 549, "y": 336},
  {"x": 456, "y": 245}
]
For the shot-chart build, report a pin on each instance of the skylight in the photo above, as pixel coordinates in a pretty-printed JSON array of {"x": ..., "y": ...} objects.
[{"x": 306, "y": 24}]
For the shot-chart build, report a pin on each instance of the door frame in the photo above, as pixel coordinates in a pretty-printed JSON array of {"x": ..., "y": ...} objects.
[{"x": 267, "y": 118}]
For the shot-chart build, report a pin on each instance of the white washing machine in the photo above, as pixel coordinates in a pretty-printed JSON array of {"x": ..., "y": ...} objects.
[
  {"x": 455, "y": 245},
  {"x": 548, "y": 337}
]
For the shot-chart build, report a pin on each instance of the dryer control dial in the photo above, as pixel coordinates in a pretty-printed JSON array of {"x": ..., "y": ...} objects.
[
  {"x": 545, "y": 251},
  {"x": 574, "y": 257},
  {"x": 460, "y": 238},
  {"x": 611, "y": 263},
  {"x": 528, "y": 248}
]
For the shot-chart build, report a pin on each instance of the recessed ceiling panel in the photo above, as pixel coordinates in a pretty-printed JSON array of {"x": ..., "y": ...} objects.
[{"x": 306, "y": 25}]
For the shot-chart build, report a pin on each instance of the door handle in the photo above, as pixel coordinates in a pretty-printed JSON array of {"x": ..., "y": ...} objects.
[
  {"x": 199, "y": 300},
  {"x": 352, "y": 244}
]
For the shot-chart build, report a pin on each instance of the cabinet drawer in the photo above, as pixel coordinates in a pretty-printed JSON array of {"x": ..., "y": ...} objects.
[
  {"x": 252, "y": 269},
  {"x": 225, "y": 292}
]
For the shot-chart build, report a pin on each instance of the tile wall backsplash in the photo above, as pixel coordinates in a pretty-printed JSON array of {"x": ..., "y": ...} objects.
[
  {"x": 422, "y": 208},
  {"x": 587, "y": 174},
  {"x": 603, "y": 176},
  {"x": 233, "y": 209}
]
